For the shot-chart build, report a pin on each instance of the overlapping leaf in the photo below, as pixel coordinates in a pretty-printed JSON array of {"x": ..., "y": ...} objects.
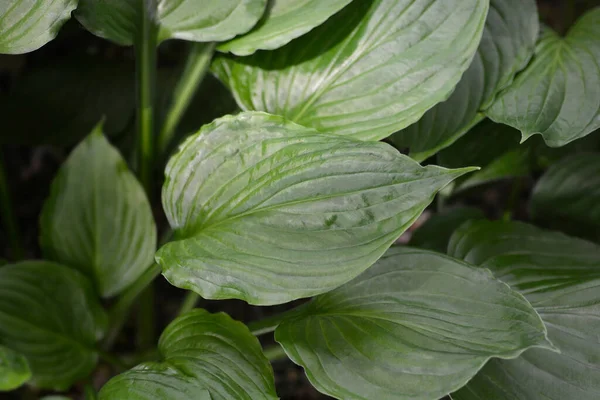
[
  {"x": 26, "y": 25},
  {"x": 283, "y": 21},
  {"x": 14, "y": 369},
  {"x": 373, "y": 68},
  {"x": 98, "y": 219},
  {"x": 49, "y": 313},
  {"x": 268, "y": 211},
  {"x": 205, "y": 357},
  {"x": 508, "y": 41},
  {"x": 558, "y": 94},
  {"x": 400, "y": 331},
  {"x": 560, "y": 276}
]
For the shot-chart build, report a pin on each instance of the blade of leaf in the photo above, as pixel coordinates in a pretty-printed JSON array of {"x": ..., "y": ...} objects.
[
  {"x": 373, "y": 68},
  {"x": 399, "y": 331},
  {"x": 14, "y": 369}
]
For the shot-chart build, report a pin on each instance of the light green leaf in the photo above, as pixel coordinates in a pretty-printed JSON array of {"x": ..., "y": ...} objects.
[
  {"x": 268, "y": 211},
  {"x": 371, "y": 69},
  {"x": 558, "y": 94},
  {"x": 49, "y": 313},
  {"x": 26, "y": 25},
  {"x": 97, "y": 218},
  {"x": 508, "y": 41},
  {"x": 560, "y": 276},
  {"x": 283, "y": 21},
  {"x": 205, "y": 357},
  {"x": 568, "y": 195},
  {"x": 435, "y": 233},
  {"x": 14, "y": 369},
  {"x": 193, "y": 20},
  {"x": 400, "y": 331}
]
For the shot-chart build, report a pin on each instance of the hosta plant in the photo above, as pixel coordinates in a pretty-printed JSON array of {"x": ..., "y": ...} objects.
[{"x": 347, "y": 180}]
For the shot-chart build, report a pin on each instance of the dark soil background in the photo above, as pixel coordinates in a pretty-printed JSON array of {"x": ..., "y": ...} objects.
[{"x": 37, "y": 107}]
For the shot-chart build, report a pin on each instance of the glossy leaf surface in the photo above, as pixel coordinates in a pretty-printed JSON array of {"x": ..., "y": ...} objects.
[
  {"x": 371, "y": 69},
  {"x": 193, "y": 20},
  {"x": 508, "y": 41},
  {"x": 26, "y": 25},
  {"x": 49, "y": 313},
  {"x": 560, "y": 276},
  {"x": 14, "y": 369},
  {"x": 558, "y": 94},
  {"x": 283, "y": 21},
  {"x": 204, "y": 357},
  {"x": 399, "y": 330},
  {"x": 97, "y": 218},
  {"x": 268, "y": 211}
]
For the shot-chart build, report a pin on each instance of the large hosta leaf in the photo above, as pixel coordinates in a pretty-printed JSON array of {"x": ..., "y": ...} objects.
[
  {"x": 268, "y": 211},
  {"x": 194, "y": 20},
  {"x": 508, "y": 41},
  {"x": 97, "y": 218},
  {"x": 49, "y": 313},
  {"x": 14, "y": 369},
  {"x": 283, "y": 21},
  {"x": 205, "y": 357},
  {"x": 558, "y": 94},
  {"x": 568, "y": 195},
  {"x": 26, "y": 25},
  {"x": 560, "y": 276},
  {"x": 416, "y": 325},
  {"x": 373, "y": 68}
]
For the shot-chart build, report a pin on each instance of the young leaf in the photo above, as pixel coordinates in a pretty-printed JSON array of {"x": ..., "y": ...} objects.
[
  {"x": 205, "y": 357},
  {"x": 97, "y": 218},
  {"x": 193, "y": 20},
  {"x": 400, "y": 331},
  {"x": 14, "y": 369},
  {"x": 558, "y": 94},
  {"x": 268, "y": 211},
  {"x": 49, "y": 313},
  {"x": 283, "y": 21},
  {"x": 560, "y": 276},
  {"x": 26, "y": 25},
  {"x": 508, "y": 41},
  {"x": 568, "y": 195},
  {"x": 371, "y": 69}
]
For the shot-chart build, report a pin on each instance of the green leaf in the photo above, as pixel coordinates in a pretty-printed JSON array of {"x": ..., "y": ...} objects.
[
  {"x": 558, "y": 94},
  {"x": 435, "y": 233},
  {"x": 371, "y": 69},
  {"x": 97, "y": 218},
  {"x": 568, "y": 195},
  {"x": 14, "y": 369},
  {"x": 205, "y": 357},
  {"x": 400, "y": 331},
  {"x": 508, "y": 41},
  {"x": 194, "y": 20},
  {"x": 560, "y": 276},
  {"x": 283, "y": 21},
  {"x": 268, "y": 211},
  {"x": 49, "y": 313},
  {"x": 26, "y": 25}
]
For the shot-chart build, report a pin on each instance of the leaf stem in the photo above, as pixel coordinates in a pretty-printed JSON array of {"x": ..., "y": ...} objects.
[
  {"x": 274, "y": 353},
  {"x": 8, "y": 215},
  {"x": 196, "y": 65},
  {"x": 189, "y": 302},
  {"x": 513, "y": 200},
  {"x": 113, "y": 360},
  {"x": 269, "y": 324}
]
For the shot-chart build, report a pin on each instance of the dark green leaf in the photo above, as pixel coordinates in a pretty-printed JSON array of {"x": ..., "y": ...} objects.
[
  {"x": 558, "y": 94},
  {"x": 283, "y": 21},
  {"x": 400, "y": 331},
  {"x": 508, "y": 41},
  {"x": 50, "y": 314},
  {"x": 98, "y": 219},
  {"x": 268, "y": 211},
  {"x": 373, "y": 68},
  {"x": 14, "y": 369},
  {"x": 26, "y": 25},
  {"x": 205, "y": 357},
  {"x": 560, "y": 276}
]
